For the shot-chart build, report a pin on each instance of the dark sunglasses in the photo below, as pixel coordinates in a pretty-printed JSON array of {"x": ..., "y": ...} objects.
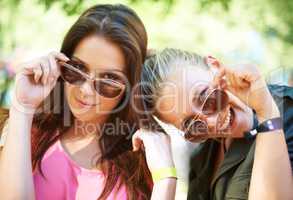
[
  {"x": 214, "y": 102},
  {"x": 73, "y": 73}
]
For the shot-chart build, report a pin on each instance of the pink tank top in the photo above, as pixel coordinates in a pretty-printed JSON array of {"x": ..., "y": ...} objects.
[{"x": 65, "y": 180}]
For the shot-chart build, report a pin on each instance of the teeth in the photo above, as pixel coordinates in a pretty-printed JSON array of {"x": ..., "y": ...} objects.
[{"x": 226, "y": 122}]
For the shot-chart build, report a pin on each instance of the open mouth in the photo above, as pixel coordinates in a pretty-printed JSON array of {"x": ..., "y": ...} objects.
[{"x": 227, "y": 123}]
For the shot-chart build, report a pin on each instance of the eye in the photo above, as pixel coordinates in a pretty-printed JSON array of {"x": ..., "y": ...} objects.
[
  {"x": 202, "y": 96},
  {"x": 78, "y": 65},
  {"x": 110, "y": 76}
]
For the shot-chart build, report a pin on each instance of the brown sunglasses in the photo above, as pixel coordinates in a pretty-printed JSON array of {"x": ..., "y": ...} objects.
[
  {"x": 72, "y": 73},
  {"x": 213, "y": 103}
]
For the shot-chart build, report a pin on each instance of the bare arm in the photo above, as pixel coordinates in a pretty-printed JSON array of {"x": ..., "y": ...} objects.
[
  {"x": 271, "y": 175},
  {"x": 16, "y": 180},
  {"x": 158, "y": 152},
  {"x": 33, "y": 84},
  {"x": 164, "y": 189}
]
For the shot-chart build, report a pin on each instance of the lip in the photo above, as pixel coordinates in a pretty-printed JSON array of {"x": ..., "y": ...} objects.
[
  {"x": 232, "y": 123},
  {"x": 84, "y": 103}
]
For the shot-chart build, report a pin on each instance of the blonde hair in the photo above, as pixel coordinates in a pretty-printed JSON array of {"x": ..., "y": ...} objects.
[{"x": 158, "y": 66}]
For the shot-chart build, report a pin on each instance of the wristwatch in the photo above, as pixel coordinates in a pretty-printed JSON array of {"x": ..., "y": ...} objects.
[{"x": 266, "y": 126}]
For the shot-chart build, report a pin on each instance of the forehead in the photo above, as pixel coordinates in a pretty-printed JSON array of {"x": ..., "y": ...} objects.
[
  {"x": 175, "y": 101},
  {"x": 99, "y": 53}
]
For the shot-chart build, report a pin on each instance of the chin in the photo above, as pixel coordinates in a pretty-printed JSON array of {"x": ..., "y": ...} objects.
[{"x": 83, "y": 117}]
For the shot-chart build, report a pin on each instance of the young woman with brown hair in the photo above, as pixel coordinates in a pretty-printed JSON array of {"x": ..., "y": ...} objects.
[{"x": 64, "y": 139}]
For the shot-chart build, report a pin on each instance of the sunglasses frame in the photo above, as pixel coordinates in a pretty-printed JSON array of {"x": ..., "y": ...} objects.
[
  {"x": 194, "y": 119},
  {"x": 92, "y": 79}
]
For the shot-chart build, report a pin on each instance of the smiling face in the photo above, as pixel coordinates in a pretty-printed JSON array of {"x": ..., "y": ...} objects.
[
  {"x": 181, "y": 100},
  {"x": 98, "y": 58}
]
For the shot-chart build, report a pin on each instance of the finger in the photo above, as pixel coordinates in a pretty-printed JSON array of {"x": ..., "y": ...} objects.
[
  {"x": 218, "y": 77},
  {"x": 136, "y": 143},
  {"x": 231, "y": 79},
  {"x": 28, "y": 68},
  {"x": 220, "y": 71},
  {"x": 37, "y": 73},
  {"x": 137, "y": 140},
  {"x": 59, "y": 56},
  {"x": 54, "y": 73},
  {"x": 46, "y": 70},
  {"x": 210, "y": 60},
  {"x": 234, "y": 99},
  {"x": 243, "y": 80}
]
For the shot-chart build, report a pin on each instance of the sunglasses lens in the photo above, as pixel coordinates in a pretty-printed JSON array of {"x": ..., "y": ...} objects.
[
  {"x": 107, "y": 88},
  {"x": 216, "y": 102},
  {"x": 71, "y": 76},
  {"x": 197, "y": 129}
]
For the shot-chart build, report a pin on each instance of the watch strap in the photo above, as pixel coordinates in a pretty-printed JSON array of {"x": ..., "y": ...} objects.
[{"x": 266, "y": 126}]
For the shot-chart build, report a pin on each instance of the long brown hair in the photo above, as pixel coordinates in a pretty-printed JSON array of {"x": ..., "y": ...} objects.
[{"x": 120, "y": 25}]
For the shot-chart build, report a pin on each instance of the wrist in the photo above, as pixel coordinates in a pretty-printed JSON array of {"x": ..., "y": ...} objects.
[
  {"x": 164, "y": 173},
  {"x": 168, "y": 180},
  {"x": 269, "y": 110},
  {"x": 24, "y": 115},
  {"x": 19, "y": 107},
  {"x": 269, "y": 113}
]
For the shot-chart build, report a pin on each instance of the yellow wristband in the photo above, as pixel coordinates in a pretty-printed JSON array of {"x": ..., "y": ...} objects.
[{"x": 162, "y": 173}]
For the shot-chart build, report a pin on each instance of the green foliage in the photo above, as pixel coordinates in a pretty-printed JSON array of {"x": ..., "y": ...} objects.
[
  {"x": 70, "y": 7},
  {"x": 224, "y": 3},
  {"x": 282, "y": 9},
  {"x": 198, "y": 25}
]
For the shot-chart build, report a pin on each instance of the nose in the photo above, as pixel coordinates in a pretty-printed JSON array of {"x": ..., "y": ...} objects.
[{"x": 87, "y": 88}]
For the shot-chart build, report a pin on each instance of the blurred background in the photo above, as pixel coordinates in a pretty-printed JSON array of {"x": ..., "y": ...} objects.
[{"x": 231, "y": 30}]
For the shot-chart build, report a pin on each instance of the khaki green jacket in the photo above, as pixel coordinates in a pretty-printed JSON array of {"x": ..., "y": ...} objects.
[{"x": 233, "y": 177}]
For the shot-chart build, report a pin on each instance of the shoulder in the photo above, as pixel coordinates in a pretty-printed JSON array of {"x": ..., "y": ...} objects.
[
  {"x": 55, "y": 163},
  {"x": 57, "y": 174},
  {"x": 283, "y": 95},
  {"x": 281, "y": 92}
]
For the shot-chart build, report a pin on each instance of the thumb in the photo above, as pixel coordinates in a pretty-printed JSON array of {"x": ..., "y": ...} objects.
[{"x": 137, "y": 140}]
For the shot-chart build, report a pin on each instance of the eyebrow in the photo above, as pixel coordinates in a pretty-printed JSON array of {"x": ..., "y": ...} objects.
[
  {"x": 76, "y": 58},
  {"x": 87, "y": 65}
]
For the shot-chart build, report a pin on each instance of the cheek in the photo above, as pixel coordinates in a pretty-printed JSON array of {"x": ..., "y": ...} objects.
[
  {"x": 107, "y": 105},
  {"x": 244, "y": 121},
  {"x": 70, "y": 90},
  {"x": 104, "y": 105},
  {"x": 67, "y": 91}
]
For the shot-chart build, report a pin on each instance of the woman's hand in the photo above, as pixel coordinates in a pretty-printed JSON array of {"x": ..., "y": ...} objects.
[
  {"x": 157, "y": 148},
  {"x": 246, "y": 82},
  {"x": 35, "y": 80}
]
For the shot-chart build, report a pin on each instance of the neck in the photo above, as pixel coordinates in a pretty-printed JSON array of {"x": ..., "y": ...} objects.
[{"x": 83, "y": 130}]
